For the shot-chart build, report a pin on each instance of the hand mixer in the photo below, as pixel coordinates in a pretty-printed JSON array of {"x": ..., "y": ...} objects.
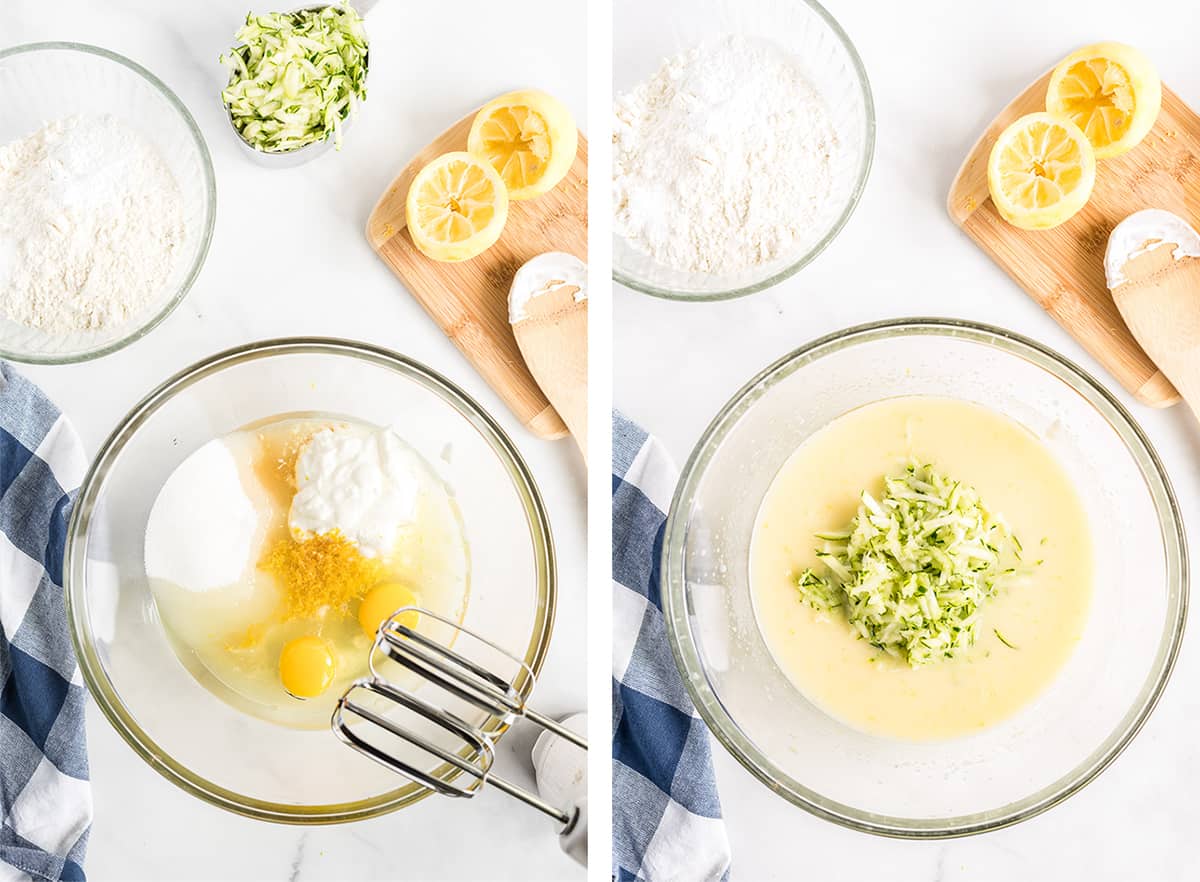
[{"x": 377, "y": 705}]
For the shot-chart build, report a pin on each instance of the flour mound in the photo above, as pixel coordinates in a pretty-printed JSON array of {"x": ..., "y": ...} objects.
[
  {"x": 722, "y": 159},
  {"x": 91, "y": 222}
]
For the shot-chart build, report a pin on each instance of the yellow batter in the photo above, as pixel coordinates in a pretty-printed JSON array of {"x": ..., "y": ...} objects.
[{"x": 1042, "y": 616}]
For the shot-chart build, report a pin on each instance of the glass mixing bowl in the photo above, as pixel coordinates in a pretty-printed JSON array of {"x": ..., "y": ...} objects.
[
  {"x": 1007, "y": 773},
  {"x": 646, "y": 34},
  {"x": 183, "y": 730},
  {"x": 42, "y": 82}
]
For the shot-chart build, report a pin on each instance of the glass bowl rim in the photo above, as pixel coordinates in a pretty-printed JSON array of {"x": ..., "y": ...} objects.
[
  {"x": 107, "y": 697},
  {"x": 864, "y": 170},
  {"x": 725, "y": 728},
  {"x": 210, "y": 205}
]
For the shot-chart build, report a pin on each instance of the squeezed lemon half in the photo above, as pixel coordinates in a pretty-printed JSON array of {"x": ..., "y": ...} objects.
[
  {"x": 1041, "y": 171},
  {"x": 456, "y": 207},
  {"x": 1111, "y": 91},
  {"x": 529, "y": 138}
]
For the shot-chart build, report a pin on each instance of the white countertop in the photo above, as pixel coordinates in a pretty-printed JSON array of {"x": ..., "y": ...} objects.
[
  {"x": 940, "y": 71},
  {"x": 430, "y": 64}
]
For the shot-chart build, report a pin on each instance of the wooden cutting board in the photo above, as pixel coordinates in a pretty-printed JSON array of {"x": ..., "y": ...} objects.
[
  {"x": 1063, "y": 268},
  {"x": 469, "y": 300}
]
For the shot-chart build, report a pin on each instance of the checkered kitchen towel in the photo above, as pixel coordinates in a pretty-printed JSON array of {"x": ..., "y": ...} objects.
[
  {"x": 45, "y": 798},
  {"x": 666, "y": 815}
]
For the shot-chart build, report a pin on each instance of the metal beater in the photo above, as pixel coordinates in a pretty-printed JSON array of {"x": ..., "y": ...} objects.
[{"x": 469, "y": 682}]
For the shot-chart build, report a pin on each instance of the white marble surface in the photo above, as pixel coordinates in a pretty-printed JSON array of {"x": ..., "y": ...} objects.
[
  {"x": 430, "y": 64},
  {"x": 940, "y": 71}
]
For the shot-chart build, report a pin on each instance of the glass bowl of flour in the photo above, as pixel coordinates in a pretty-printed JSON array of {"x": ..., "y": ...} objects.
[
  {"x": 743, "y": 136},
  {"x": 107, "y": 202}
]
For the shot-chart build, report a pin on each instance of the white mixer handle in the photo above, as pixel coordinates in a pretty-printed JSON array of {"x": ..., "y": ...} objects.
[
  {"x": 561, "y": 772},
  {"x": 573, "y": 839}
]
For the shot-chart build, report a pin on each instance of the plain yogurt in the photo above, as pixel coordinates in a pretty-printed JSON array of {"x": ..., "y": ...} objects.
[{"x": 362, "y": 483}]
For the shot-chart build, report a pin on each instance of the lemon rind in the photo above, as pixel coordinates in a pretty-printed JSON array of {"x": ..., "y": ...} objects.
[
  {"x": 472, "y": 246},
  {"x": 560, "y": 125},
  {"x": 1144, "y": 82}
]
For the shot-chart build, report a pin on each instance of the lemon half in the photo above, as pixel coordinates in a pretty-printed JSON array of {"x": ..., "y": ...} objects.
[
  {"x": 529, "y": 138},
  {"x": 456, "y": 207},
  {"x": 1111, "y": 91},
  {"x": 1041, "y": 171}
]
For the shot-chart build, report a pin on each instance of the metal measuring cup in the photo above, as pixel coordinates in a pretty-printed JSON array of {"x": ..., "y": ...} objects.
[{"x": 308, "y": 152}]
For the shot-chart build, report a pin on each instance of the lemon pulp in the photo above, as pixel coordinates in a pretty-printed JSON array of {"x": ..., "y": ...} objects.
[
  {"x": 1111, "y": 91},
  {"x": 529, "y": 138},
  {"x": 1041, "y": 171},
  {"x": 456, "y": 208}
]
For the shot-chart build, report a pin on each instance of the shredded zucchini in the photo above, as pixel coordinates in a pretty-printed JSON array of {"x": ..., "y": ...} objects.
[
  {"x": 296, "y": 76},
  {"x": 914, "y": 567}
]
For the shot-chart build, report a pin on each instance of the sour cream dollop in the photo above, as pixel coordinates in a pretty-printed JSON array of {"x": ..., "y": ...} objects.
[
  {"x": 1144, "y": 231},
  {"x": 544, "y": 274},
  {"x": 362, "y": 483}
]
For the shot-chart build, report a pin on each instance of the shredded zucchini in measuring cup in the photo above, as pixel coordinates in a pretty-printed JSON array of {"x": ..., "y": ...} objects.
[
  {"x": 915, "y": 566},
  {"x": 296, "y": 76}
]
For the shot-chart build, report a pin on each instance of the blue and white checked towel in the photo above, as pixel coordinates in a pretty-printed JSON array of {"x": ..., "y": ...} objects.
[
  {"x": 45, "y": 798},
  {"x": 666, "y": 815}
]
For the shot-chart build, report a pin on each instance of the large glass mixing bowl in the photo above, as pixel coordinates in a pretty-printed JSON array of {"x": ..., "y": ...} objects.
[
  {"x": 182, "y": 729},
  {"x": 1007, "y": 773}
]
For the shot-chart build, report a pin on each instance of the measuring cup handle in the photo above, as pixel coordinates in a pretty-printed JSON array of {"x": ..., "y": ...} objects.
[{"x": 574, "y": 837}]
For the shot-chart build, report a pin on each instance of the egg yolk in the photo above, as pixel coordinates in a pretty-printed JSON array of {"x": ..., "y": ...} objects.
[
  {"x": 381, "y": 602},
  {"x": 306, "y": 666}
]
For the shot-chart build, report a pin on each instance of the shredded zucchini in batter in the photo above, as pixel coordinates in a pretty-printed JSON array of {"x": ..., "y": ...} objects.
[{"x": 914, "y": 568}]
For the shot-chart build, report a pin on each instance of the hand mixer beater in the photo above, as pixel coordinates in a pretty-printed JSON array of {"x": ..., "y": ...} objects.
[{"x": 389, "y": 722}]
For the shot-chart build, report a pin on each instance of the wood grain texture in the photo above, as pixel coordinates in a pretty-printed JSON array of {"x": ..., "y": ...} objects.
[
  {"x": 553, "y": 339},
  {"x": 1160, "y": 302},
  {"x": 1063, "y": 268},
  {"x": 469, "y": 300}
]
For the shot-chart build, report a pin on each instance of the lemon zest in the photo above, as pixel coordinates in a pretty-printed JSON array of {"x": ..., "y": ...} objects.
[{"x": 320, "y": 571}]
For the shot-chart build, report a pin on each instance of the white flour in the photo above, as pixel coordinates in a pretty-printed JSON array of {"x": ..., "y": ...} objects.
[
  {"x": 722, "y": 159},
  {"x": 90, "y": 223}
]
